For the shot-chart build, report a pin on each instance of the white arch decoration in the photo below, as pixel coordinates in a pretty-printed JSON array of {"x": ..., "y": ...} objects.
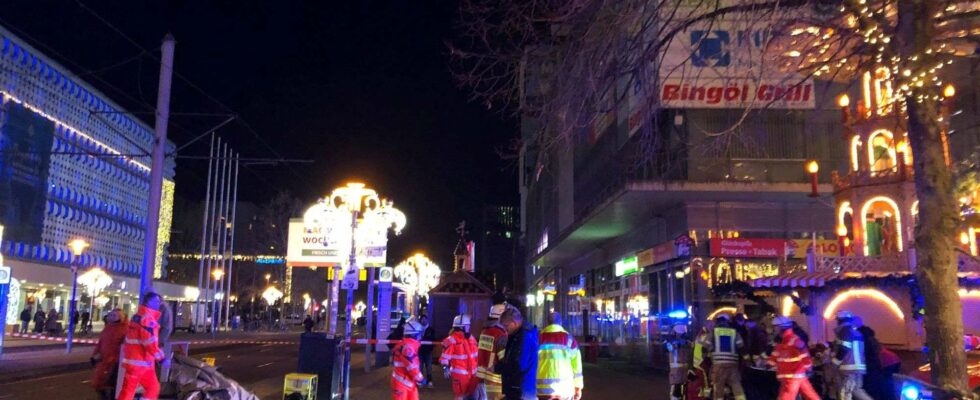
[
  {"x": 855, "y": 152},
  {"x": 831, "y": 310},
  {"x": 898, "y": 220},
  {"x": 845, "y": 208}
]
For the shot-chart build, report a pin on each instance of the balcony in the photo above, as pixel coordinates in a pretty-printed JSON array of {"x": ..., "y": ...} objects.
[
  {"x": 903, "y": 262},
  {"x": 869, "y": 178}
]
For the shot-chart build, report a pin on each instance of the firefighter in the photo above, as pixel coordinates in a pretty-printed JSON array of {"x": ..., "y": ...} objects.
[
  {"x": 698, "y": 387},
  {"x": 559, "y": 363},
  {"x": 406, "y": 376},
  {"x": 141, "y": 351},
  {"x": 792, "y": 359},
  {"x": 679, "y": 351},
  {"x": 490, "y": 352},
  {"x": 849, "y": 358},
  {"x": 723, "y": 344},
  {"x": 459, "y": 357}
]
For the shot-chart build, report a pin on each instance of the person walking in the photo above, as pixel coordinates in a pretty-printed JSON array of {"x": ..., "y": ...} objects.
[
  {"x": 559, "y": 363},
  {"x": 39, "y": 320},
  {"x": 849, "y": 359},
  {"x": 792, "y": 360},
  {"x": 458, "y": 359},
  {"x": 25, "y": 319},
  {"x": 425, "y": 351},
  {"x": 519, "y": 368},
  {"x": 105, "y": 356},
  {"x": 491, "y": 351},
  {"x": 406, "y": 376},
  {"x": 723, "y": 344},
  {"x": 141, "y": 350}
]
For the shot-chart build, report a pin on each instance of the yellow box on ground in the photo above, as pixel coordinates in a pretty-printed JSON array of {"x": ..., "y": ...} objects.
[
  {"x": 298, "y": 386},
  {"x": 208, "y": 360}
]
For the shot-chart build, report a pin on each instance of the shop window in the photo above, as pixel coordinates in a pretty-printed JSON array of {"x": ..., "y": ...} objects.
[{"x": 882, "y": 226}]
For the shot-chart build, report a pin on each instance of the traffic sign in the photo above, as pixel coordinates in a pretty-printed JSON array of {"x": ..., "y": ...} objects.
[
  {"x": 385, "y": 274},
  {"x": 350, "y": 279},
  {"x": 4, "y": 275}
]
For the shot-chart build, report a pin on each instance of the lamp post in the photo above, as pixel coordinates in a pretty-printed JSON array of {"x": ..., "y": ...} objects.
[
  {"x": 78, "y": 247},
  {"x": 94, "y": 280},
  {"x": 271, "y": 295},
  {"x": 812, "y": 168},
  {"x": 418, "y": 274}
]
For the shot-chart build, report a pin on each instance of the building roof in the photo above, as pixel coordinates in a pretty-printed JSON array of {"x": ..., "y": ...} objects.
[{"x": 460, "y": 283}]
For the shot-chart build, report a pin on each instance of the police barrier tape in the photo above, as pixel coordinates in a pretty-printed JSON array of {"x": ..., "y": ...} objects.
[
  {"x": 96, "y": 341},
  {"x": 426, "y": 342}
]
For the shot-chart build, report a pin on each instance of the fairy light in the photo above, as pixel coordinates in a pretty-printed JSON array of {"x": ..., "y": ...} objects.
[{"x": 873, "y": 294}]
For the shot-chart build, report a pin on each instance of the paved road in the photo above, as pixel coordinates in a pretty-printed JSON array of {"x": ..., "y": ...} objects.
[{"x": 261, "y": 368}]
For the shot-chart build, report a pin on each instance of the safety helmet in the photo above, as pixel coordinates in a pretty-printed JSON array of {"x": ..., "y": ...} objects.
[
  {"x": 844, "y": 316},
  {"x": 413, "y": 328},
  {"x": 680, "y": 329},
  {"x": 497, "y": 310},
  {"x": 782, "y": 321},
  {"x": 461, "y": 321},
  {"x": 723, "y": 317}
]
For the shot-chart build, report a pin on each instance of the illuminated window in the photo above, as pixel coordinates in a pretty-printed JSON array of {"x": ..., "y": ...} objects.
[
  {"x": 881, "y": 151},
  {"x": 882, "y": 226}
]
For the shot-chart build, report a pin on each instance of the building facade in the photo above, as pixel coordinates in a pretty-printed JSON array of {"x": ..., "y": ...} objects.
[{"x": 73, "y": 165}]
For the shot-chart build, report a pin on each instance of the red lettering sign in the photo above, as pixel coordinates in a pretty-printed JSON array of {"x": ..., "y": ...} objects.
[{"x": 748, "y": 248}]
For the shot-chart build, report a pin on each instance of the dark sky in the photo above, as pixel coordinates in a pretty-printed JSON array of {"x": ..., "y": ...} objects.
[{"x": 360, "y": 87}]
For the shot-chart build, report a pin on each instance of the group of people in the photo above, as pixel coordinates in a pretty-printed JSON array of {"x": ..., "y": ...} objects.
[
  {"x": 731, "y": 356},
  {"x": 509, "y": 359},
  {"x": 50, "y": 323}
]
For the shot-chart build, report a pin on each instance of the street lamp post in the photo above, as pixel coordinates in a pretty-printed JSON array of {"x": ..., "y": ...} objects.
[
  {"x": 215, "y": 303},
  {"x": 78, "y": 247},
  {"x": 94, "y": 280},
  {"x": 418, "y": 274}
]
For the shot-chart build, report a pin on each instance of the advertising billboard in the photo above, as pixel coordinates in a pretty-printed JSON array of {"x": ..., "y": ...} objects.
[{"x": 314, "y": 246}]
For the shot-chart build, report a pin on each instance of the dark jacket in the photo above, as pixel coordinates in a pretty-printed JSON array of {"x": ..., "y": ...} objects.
[
  {"x": 429, "y": 334},
  {"x": 519, "y": 368},
  {"x": 25, "y": 315}
]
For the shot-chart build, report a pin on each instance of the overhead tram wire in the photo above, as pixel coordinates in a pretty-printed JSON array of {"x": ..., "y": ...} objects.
[{"x": 189, "y": 83}]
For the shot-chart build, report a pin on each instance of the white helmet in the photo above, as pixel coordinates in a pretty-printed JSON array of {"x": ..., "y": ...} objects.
[
  {"x": 413, "y": 328},
  {"x": 462, "y": 321},
  {"x": 680, "y": 329},
  {"x": 497, "y": 310},
  {"x": 845, "y": 316},
  {"x": 782, "y": 321}
]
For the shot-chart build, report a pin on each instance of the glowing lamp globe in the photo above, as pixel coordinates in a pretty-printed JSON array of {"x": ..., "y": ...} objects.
[
  {"x": 812, "y": 167},
  {"x": 949, "y": 91},
  {"x": 843, "y": 101}
]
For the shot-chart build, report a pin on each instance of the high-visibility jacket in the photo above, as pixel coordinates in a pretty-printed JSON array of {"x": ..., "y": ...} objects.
[
  {"x": 459, "y": 354},
  {"x": 140, "y": 348},
  {"x": 107, "y": 353},
  {"x": 791, "y": 357},
  {"x": 723, "y": 344},
  {"x": 849, "y": 354},
  {"x": 406, "y": 363},
  {"x": 490, "y": 352},
  {"x": 679, "y": 354},
  {"x": 559, "y": 363}
]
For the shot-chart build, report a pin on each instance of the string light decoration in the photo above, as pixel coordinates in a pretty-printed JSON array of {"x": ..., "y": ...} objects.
[{"x": 418, "y": 274}]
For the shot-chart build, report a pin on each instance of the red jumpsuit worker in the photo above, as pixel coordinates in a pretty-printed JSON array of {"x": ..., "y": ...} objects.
[
  {"x": 105, "y": 356},
  {"x": 792, "y": 359},
  {"x": 459, "y": 358},
  {"x": 406, "y": 375},
  {"x": 140, "y": 351}
]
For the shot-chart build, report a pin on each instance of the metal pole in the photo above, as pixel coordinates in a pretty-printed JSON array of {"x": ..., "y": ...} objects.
[
  {"x": 223, "y": 245},
  {"x": 204, "y": 234},
  {"x": 212, "y": 214},
  {"x": 350, "y": 303},
  {"x": 231, "y": 257},
  {"x": 156, "y": 171},
  {"x": 220, "y": 210},
  {"x": 368, "y": 362},
  {"x": 71, "y": 307}
]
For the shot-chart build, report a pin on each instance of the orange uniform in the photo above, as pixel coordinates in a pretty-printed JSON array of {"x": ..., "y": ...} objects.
[
  {"x": 459, "y": 354},
  {"x": 792, "y": 360},
  {"x": 406, "y": 374},
  {"x": 491, "y": 350},
  {"x": 140, "y": 352},
  {"x": 107, "y": 354}
]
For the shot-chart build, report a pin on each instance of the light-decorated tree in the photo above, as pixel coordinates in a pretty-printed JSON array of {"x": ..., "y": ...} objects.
[{"x": 561, "y": 64}]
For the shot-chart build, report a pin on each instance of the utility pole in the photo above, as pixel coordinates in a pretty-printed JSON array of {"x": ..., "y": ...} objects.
[
  {"x": 156, "y": 170},
  {"x": 231, "y": 252},
  {"x": 204, "y": 234}
]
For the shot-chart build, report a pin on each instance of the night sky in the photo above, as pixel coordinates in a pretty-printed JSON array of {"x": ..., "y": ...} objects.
[{"x": 362, "y": 88}]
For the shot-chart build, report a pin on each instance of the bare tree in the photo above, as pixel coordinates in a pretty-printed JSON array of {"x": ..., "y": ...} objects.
[{"x": 559, "y": 63}]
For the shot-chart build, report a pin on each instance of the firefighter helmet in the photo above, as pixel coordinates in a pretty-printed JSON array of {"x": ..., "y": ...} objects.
[
  {"x": 413, "y": 328},
  {"x": 461, "y": 321}
]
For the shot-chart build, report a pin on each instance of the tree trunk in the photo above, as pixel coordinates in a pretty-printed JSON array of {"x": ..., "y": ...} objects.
[{"x": 935, "y": 234}]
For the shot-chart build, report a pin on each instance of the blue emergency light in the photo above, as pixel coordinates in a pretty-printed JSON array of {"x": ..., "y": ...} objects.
[
  {"x": 678, "y": 314},
  {"x": 910, "y": 392}
]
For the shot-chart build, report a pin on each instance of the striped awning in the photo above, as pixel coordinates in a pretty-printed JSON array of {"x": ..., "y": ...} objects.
[{"x": 806, "y": 279}]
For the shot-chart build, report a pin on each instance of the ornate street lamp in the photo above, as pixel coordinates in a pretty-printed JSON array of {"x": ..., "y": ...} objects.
[
  {"x": 417, "y": 275},
  {"x": 94, "y": 280},
  {"x": 78, "y": 247}
]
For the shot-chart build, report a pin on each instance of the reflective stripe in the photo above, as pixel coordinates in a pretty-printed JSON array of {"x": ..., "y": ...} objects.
[
  {"x": 500, "y": 354},
  {"x": 800, "y": 357},
  {"x": 458, "y": 356},
  {"x": 548, "y": 381},
  {"x": 141, "y": 342},
  {"x": 460, "y": 371},
  {"x": 137, "y": 363},
  {"x": 790, "y": 376},
  {"x": 678, "y": 365},
  {"x": 403, "y": 380},
  {"x": 398, "y": 364}
]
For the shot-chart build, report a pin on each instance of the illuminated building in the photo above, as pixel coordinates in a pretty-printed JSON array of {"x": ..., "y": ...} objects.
[{"x": 72, "y": 165}]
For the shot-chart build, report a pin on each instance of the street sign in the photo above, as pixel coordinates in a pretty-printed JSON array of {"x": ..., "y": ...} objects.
[
  {"x": 350, "y": 279},
  {"x": 4, "y": 275},
  {"x": 386, "y": 274}
]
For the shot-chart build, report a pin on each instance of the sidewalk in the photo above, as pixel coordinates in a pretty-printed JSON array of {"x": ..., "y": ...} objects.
[{"x": 49, "y": 357}]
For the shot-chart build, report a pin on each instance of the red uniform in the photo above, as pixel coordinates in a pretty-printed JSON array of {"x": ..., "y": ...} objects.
[
  {"x": 792, "y": 360},
  {"x": 459, "y": 354},
  {"x": 107, "y": 354},
  {"x": 406, "y": 374},
  {"x": 140, "y": 352},
  {"x": 492, "y": 345}
]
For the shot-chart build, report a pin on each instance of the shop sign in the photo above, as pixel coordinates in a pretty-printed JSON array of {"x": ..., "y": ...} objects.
[
  {"x": 748, "y": 248},
  {"x": 679, "y": 247},
  {"x": 797, "y": 248},
  {"x": 315, "y": 246},
  {"x": 627, "y": 266},
  {"x": 4, "y": 275}
]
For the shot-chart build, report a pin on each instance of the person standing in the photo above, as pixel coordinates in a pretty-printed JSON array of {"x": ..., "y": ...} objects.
[
  {"x": 141, "y": 350},
  {"x": 559, "y": 363},
  {"x": 459, "y": 357},
  {"x": 849, "y": 359},
  {"x": 308, "y": 324},
  {"x": 679, "y": 350},
  {"x": 105, "y": 356},
  {"x": 86, "y": 328},
  {"x": 723, "y": 344},
  {"x": 792, "y": 360},
  {"x": 490, "y": 353},
  {"x": 519, "y": 368},
  {"x": 25, "y": 319},
  {"x": 425, "y": 351},
  {"x": 39, "y": 320},
  {"x": 406, "y": 375}
]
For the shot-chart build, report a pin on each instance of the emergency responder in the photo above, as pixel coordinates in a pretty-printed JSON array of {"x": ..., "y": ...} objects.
[
  {"x": 698, "y": 387},
  {"x": 406, "y": 376},
  {"x": 723, "y": 344},
  {"x": 458, "y": 359},
  {"x": 559, "y": 363},
  {"x": 849, "y": 358},
  {"x": 792, "y": 360},
  {"x": 491, "y": 349},
  {"x": 105, "y": 356},
  {"x": 141, "y": 350},
  {"x": 679, "y": 351}
]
